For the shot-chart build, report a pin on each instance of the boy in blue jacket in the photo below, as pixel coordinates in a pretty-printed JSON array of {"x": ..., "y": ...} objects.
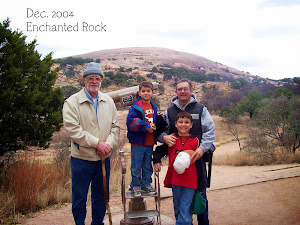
[{"x": 140, "y": 123}]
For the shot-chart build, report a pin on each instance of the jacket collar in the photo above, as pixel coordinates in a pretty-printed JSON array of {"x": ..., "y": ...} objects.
[
  {"x": 175, "y": 101},
  {"x": 83, "y": 98},
  {"x": 139, "y": 102}
]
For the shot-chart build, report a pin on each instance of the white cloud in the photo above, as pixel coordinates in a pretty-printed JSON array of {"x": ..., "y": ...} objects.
[{"x": 257, "y": 36}]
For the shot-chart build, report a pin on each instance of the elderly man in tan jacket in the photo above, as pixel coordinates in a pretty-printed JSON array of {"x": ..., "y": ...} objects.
[{"x": 91, "y": 120}]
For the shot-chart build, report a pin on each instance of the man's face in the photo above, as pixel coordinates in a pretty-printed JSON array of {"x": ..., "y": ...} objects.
[
  {"x": 183, "y": 92},
  {"x": 146, "y": 93},
  {"x": 92, "y": 82}
]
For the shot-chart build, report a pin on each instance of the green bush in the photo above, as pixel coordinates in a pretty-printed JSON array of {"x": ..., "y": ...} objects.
[
  {"x": 69, "y": 90},
  {"x": 140, "y": 78},
  {"x": 73, "y": 61},
  {"x": 70, "y": 72},
  {"x": 155, "y": 101},
  {"x": 105, "y": 83}
]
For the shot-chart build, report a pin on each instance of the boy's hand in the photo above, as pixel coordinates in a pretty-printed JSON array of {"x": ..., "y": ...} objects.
[
  {"x": 149, "y": 129},
  {"x": 153, "y": 126},
  {"x": 157, "y": 167},
  {"x": 170, "y": 140},
  {"x": 197, "y": 155}
]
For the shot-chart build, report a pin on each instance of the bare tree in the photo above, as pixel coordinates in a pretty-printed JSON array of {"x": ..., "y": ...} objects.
[{"x": 231, "y": 120}]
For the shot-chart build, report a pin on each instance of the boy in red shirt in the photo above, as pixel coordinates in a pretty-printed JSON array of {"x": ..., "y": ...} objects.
[
  {"x": 140, "y": 124},
  {"x": 181, "y": 175}
]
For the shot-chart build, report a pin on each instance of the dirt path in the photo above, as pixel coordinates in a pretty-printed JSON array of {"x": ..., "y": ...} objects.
[
  {"x": 228, "y": 148},
  {"x": 271, "y": 202},
  {"x": 238, "y": 195}
]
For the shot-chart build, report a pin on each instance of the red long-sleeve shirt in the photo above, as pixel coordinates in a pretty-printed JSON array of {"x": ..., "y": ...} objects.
[{"x": 189, "y": 177}]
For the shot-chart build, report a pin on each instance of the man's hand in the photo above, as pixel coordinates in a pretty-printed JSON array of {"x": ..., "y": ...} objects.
[
  {"x": 170, "y": 140},
  {"x": 197, "y": 155},
  {"x": 103, "y": 149},
  {"x": 157, "y": 167}
]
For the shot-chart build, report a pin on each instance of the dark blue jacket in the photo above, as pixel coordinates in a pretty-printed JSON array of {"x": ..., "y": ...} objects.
[{"x": 137, "y": 124}]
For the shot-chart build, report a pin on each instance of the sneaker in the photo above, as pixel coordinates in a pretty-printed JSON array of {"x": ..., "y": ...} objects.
[
  {"x": 136, "y": 191},
  {"x": 149, "y": 190}
]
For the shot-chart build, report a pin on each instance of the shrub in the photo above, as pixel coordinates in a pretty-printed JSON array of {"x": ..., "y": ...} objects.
[
  {"x": 105, "y": 83},
  {"x": 73, "y": 61},
  {"x": 261, "y": 146},
  {"x": 161, "y": 88},
  {"x": 140, "y": 78},
  {"x": 155, "y": 101},
  {"x": 70, "y": 72},
  {"x": 69, "y": 90}
]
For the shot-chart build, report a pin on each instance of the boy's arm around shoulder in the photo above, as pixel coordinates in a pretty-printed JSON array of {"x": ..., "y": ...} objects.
[
  {"x": 166, "y": 131},
  {"x": 161, "y": 125},
  {"x": 160, "y": 151}
]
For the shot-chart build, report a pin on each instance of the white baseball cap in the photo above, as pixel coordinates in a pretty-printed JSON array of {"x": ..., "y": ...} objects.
[{"x": 182, "y": 161}]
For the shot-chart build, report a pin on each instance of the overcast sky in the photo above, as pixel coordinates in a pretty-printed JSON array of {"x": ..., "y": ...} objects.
[{"x": 261, "y": 37}]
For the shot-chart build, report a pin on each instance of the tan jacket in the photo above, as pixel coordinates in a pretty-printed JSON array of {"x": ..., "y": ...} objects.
[{"x": 86, "y": 129}]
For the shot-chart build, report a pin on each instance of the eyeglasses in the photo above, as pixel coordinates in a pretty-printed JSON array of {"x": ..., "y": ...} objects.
[
  {"x": 183, "y": 89},
  {"x": 91, "y": 79}
]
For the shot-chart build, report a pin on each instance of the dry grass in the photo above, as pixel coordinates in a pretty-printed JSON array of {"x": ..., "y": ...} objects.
[
  {"x": 116, "y": 173},
  {"x": 30, "y": 185},
  {"x": 35, "y": 181},
  {"x": 245, "y": 159}
]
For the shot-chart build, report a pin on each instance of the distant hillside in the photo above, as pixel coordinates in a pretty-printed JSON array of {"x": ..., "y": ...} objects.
[
  {"x": 146, "y": 58},
  {"x": 126, "y": 67}
]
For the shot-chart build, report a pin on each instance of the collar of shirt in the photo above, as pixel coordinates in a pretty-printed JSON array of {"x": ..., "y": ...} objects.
[{"x": 94, "y": 101}]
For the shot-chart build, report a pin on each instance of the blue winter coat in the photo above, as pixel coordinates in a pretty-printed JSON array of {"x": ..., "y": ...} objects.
[{"x": 136, "y": 122}]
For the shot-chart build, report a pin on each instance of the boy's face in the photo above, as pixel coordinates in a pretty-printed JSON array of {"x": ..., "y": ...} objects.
[
  {"x": 183, "y": 125},
  {"x": 146, "y": 94}
]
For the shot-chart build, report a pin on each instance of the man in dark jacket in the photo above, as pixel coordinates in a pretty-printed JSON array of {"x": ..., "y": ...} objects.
[{"x": 203, "y": 128}]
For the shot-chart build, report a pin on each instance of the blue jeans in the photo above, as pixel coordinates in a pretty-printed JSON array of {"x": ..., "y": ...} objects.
[
  {"x": 85, "y": 173},
  {"x": 182, "y": 200},
  {"x": 141, "y": 166}
]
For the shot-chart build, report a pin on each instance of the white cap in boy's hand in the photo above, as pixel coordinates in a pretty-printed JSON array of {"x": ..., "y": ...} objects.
[{"x": 182, "y": 162}]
